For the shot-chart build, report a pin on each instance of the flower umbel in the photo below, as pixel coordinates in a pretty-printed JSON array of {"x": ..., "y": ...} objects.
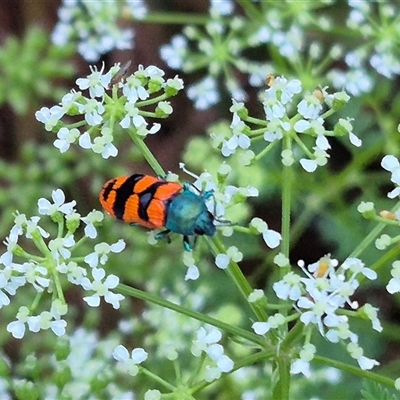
[
  {"x": 44, "y": 271},
  {"x": 324, "y": 293},
  {"x": 101, "y": 99}
]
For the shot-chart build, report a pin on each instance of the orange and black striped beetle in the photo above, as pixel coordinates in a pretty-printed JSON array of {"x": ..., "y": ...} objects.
[{"x": 156, "y": 203}]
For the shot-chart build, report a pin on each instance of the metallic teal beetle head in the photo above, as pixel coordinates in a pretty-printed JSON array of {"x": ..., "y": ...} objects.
[{"x": 188, "y": 215}]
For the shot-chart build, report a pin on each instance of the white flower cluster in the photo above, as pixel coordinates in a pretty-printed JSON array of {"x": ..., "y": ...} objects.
[
  {"x": 217, "y": 47},
  {"x": 379, "y": 30},
  {"x": 44, "y": 272},
  {"x": 389, "y": 163},
  {"x": 94, "y": 26},
  {"x": 320, "y": 297},
  {"x": 279, "y": 101},
  {"x": 98, "y": 108},
  {"x": 207, "y": 342}
]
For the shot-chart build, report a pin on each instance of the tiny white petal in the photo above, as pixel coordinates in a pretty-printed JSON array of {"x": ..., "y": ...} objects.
[
  {"x": 261, "y": 328},
  {"x": 272, "y": 238},
  {"x": 222, "y": 261},
  {"x": 192, "y": 273},
  {"x": 120, "y": 353},
  {"x": 139, "y": 355},
  {"x": 308, "y": 165}
]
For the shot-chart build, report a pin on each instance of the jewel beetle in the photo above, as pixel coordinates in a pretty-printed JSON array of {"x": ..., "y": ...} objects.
[{"x": 156, "y": 203}]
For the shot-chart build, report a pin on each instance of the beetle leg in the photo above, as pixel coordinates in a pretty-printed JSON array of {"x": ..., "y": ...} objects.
[
  {"x": 186, "y": 243},
  {"x": 164, "y": 235}
]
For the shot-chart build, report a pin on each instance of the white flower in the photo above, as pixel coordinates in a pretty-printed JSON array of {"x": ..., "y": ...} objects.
[
  {"x": 90, "y": 220},
  {"x": 261, "y": 328},
  {"x": 204, "y": 93},
  {"x": 133, "y": 89},
  {"x": 302, "y": 365},
  {"x": 193, "y": 272},
  {"x": 204, "y": 339},
  {"x": 175, "y": 52},
  {"x": 102, "y": 289},
  {"x": 65, "y": 138},
  {"x": 33, "y": 227},
  {"x": 271, "y": 237},
  {"x": 17, "y": 328},
  {"x": 59, "y": 247},
  {"x": 94, "y": 27},
  {"x": 207, "y": 342},
  {"x": 255, "y": 295},
  {"x": 218, "y": 7},
  {"x": 222, "y": 260},
  {"x": 391, "y": 163},
  {"x": 394, "y": 284},
  {"x": 152, "y": 394},
  {"x": 130, "y": 363},
  {"x": 372, "y": 314},
  {"x": 289, "y": 287},
  {"x": 355, "y": 81},
  {"x": 286, "y": 89},
  {"x": 139, "y": 10},
  {"x": 310, "y": 107},
  {"x": 35, "y": 275},
  {"x": 308, "y": 165},
  {"x": 97, "y": 82},
  {"x": 101, "y": 251},
  {"x": 47, "y": 208},
  {"x": 49, "y": 117},
  {"x": 275, "y": 129},
  {"x": 74, "y": 272},
  {"x": 132, "y": 117},
  {"x": 356, "y": 352}
]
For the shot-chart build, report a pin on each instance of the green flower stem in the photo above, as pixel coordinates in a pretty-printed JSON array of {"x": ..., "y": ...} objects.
[
  {"x": 177, "y": 369},
  {"x": 250, "y": 9},
  {"x": 253, "y": 359},
  {"x": 355, "y": 371},
  {"x": 243, "y": 362},
  {"x": 78, "y": 244},
  {"x": 36, "y": 301},
  {"x": 234, "y": 330},
  {"x": 292, "y": 336},
  {"x": 60, "y": 293},
  {"x": 280, "y": 391},
  {"x": 303, "y": 147},
  {"x": 60, "y": 230},
  {"x": 196, "y": 373},
  {"x": 76, "y": 124},
  {"x": 41, "y": 244},
  {"x": 287, "y": 177},
  {"x": 147, "y": 154},
  {"x": 328, "y": 113},
  {"x": 282, "y": 369},
  {"x": 265, "y": 151},
  {"x": 236, "y": 274},
  {"x": 378, "y": 218},
  {"x": 156, "y": 378},
  {"x": 368, "y": 240},
  {"x": 150, "y": 101},
  {"x": 388, "y": 257},
  {"x": 280, "y": 306},
  {"x": 257, "y": 133},
  {"x": 256, "y": 121},
  {"x": 174, "y": 18}
]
